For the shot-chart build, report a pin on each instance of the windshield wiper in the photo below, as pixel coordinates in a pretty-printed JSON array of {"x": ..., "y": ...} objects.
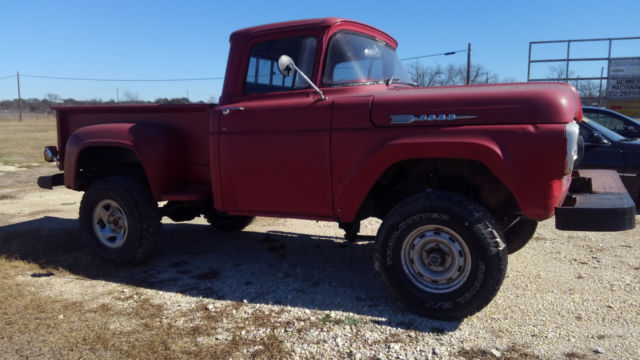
[
  {"x": 390, "y": 80},
  {"x": 395, "y": 79}
]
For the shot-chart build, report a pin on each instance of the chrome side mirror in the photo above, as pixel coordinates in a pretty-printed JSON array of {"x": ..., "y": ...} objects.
[
  {"x": 51, "y": 153},
  {"x": 286, "y": 66}
]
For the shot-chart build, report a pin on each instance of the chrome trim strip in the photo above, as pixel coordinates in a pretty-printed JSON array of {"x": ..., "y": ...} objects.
[{"x": 408, "y": 118}]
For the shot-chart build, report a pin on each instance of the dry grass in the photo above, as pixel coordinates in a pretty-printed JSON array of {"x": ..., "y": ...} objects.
[
  {"x": 21, "y": 143},
  {"x": 128, "y": 326},
  {"x": 121, "y": 322}
]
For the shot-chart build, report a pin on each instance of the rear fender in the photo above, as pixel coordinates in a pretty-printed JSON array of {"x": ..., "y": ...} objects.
[
  {"x": 159, "y": 148},
  {"x": 361, "y": 180}
]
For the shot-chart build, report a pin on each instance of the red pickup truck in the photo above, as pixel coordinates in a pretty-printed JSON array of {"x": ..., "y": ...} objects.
[{"x": 319, "y": 120}]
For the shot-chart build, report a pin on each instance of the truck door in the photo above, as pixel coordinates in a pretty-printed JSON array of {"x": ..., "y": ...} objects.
[{"x": 275, "y": 145}]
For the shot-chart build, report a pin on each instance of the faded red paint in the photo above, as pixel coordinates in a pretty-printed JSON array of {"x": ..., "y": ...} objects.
[{"x": 292, "y": 154}]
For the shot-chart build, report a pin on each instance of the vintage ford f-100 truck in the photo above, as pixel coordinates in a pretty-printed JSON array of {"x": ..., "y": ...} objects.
[{"x": 319, "y": 120}]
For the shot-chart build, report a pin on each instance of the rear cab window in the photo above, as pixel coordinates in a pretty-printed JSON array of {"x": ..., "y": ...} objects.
[{"x": 262, "y": 71}]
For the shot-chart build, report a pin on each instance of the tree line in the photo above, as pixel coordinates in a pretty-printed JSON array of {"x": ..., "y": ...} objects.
[
  {"x": 437, "y": 75},
  {"x": 44, "y": 105}
]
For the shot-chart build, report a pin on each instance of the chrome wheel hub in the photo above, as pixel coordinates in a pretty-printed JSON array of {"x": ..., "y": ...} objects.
[
  {"x": 110, "y": 224},
  {"x": 436, "y": 259}
]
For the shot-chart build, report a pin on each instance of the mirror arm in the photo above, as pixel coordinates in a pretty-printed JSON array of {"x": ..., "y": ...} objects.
[{"x": 322, "y": 97}]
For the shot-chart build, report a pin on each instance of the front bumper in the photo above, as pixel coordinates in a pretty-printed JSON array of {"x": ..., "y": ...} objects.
[{"x": 597, "y": 201}]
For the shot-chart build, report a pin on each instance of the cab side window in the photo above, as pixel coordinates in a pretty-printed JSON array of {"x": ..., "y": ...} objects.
[{"x": 262, "y": 73}]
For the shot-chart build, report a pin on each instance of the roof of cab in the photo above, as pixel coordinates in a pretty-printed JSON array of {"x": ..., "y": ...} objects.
[{"x": 297, "y": 25}]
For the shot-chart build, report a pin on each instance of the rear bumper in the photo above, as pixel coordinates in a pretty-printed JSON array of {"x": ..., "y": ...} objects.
[
  {"x": 49, "y": 181},
  {"x": 597, "y": 201}
]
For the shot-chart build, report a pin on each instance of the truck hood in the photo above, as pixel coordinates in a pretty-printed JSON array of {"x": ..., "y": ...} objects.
[{"x": 531, "y": 103}]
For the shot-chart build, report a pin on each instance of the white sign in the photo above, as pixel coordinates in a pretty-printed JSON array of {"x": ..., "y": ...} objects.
[{"x": 624, "y": 78}]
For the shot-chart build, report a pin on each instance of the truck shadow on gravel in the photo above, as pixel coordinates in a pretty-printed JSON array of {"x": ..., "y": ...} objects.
[{"x": 280, "y": 268}]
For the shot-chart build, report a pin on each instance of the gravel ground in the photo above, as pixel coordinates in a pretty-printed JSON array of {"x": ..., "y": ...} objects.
[{"x": 566, "y": 295}]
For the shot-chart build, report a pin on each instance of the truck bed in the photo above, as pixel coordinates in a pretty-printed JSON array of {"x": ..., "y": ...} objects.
[{"x": 190, "y": 122}]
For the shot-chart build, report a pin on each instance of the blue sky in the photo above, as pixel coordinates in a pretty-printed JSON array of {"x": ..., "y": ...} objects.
[{"x": 187, "y": 39}]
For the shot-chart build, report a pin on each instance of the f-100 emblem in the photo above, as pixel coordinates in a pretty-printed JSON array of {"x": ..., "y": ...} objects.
[{"x": 408, "y": 118}]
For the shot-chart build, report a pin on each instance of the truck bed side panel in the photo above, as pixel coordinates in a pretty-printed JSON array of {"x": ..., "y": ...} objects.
[{"x": 190, "y": 123}]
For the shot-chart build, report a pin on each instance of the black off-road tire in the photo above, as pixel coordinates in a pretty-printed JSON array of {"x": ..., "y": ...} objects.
[
  {"x": 120, "y": 198},
  {"x": 452, "y": 222},
  {"x": 519, "y": 234},
  {"x": 223, "y": 222}
]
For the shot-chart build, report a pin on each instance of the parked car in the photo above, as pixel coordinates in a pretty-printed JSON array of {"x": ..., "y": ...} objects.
[
  {"x": 606, "y": 149},
  {"x": 620, "y": 123}
]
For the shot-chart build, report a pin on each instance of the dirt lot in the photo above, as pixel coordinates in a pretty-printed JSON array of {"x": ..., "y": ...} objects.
[{"x": 288, "y": 289}]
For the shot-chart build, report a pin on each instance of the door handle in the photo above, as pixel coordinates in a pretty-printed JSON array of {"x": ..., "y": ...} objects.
[{"x": 225, "y": 111}]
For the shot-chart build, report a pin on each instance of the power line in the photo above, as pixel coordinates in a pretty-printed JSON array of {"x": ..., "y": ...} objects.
[
  {"x": 7, "y": 77},
  {"x": 117, "y": 80},
  {"x": 438, "y": 54}
]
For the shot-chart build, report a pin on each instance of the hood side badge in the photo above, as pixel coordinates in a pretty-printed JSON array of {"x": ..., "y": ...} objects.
[{"x": 408, "y": 118}]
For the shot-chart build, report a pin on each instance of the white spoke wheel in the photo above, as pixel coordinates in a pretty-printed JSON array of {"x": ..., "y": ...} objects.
[
  {"x": 119, "y": 219},
  {"x": 441, "y": 255},
  {"x": 110, "y": 224}
]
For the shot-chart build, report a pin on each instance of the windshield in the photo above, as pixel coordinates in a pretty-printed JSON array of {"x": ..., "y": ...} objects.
[
  {"x": 611, "y": 135},
  {"x": 357, "y": 59}
]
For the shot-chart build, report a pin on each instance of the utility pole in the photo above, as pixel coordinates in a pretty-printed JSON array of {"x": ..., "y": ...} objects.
[
  {"x": 117, "y": 95},
  {"x": 19, "y": 96},
  {"x": 468, "y": 63}
]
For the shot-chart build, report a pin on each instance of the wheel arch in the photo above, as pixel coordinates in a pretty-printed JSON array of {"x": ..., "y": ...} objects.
[
  {"x": 355, "y": 195},
  {"x": 154, "y": 152}
]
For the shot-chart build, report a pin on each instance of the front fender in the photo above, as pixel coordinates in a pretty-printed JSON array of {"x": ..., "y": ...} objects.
[
  {"x": 359, "y": 182},
  {"x": 159, "y": 148}
]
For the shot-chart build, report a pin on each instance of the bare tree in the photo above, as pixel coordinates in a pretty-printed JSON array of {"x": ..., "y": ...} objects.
[
  {"x": 130, "y": 96},
  {"x": 424, "y": 75},
  {"x": 418, "y": 73},
  {"x": 478, "y": 75},
  {"x": 559, "y": 72},
  {"x": 451, "y": 75},
  {"x": 53, "y": 98},
  {"x": 588, "y": 88}
]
